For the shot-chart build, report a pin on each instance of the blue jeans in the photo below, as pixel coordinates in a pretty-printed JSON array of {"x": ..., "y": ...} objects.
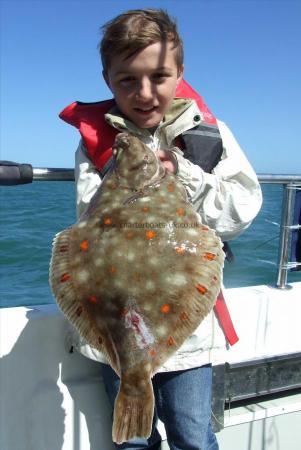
[{"x": 182, "y": 403}]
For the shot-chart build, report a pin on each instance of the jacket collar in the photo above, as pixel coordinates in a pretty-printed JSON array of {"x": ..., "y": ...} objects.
[{"x": 179, "y": 118}]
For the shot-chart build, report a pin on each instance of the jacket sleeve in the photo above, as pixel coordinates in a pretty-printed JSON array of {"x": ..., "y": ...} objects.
[
  {"x": 229, "y": 198},
  {"x": 87, "y": 179}
]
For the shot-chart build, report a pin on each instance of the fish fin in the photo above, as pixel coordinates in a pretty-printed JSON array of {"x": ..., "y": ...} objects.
[
  {"x": 61, "y": 282},
  {"x": 193, "y": 305},
  {"x": 133, "y": 414}
]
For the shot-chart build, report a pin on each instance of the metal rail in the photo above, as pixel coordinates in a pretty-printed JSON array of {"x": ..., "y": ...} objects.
[
  {"x": 54, "y": 174},
  {"x": 287, "y": 227},
  {"x": 290, "y": 183},
  {"x": 279, "y": 179}
]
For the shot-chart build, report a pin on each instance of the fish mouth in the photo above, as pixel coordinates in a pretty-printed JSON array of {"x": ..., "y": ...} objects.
[{"x": 121, "y": 140}]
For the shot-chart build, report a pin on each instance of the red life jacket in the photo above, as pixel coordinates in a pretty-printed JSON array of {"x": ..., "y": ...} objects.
[{"x": 98, "y": 137}]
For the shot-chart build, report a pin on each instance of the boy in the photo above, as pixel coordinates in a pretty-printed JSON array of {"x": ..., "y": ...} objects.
[{"x": 142, "y": 58}]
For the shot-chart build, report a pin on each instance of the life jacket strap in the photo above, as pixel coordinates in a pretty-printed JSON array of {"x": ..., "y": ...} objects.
[{"x": 224, "y": 319}]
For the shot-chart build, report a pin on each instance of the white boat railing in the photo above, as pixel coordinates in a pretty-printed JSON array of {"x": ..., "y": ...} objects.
[{"x": 13, "y": 173}]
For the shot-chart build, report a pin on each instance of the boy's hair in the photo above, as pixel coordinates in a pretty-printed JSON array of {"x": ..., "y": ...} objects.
[{"x": 136, "y": 29}]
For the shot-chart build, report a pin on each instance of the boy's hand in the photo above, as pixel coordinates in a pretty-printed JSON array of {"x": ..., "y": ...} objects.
[{"x": 168, "y": 160}]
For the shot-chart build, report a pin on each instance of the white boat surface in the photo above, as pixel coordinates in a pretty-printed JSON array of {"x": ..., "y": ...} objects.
[{"x": 52, "y": 399}]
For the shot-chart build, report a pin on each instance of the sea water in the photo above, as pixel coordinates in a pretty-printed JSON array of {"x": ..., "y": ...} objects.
[{"x": 32, "y": 214}]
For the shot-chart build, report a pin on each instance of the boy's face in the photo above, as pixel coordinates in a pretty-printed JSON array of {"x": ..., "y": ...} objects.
[{"x": 144, "y": 85}]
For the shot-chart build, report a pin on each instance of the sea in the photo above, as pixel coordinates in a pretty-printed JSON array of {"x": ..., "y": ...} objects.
[{"x": 32, "y": 214}]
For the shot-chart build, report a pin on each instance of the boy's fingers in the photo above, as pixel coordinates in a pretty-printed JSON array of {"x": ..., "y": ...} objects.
[{"x": 168, "y": 160}]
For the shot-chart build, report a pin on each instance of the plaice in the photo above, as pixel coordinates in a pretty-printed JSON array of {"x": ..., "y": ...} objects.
[{"x": 136, "y": 275}]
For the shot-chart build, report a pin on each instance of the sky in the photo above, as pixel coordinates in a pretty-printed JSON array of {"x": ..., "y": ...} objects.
[{"x": 242, "y": 56}]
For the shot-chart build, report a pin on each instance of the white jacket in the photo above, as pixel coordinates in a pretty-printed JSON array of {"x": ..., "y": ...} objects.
[{"x": 227, "y": 200}]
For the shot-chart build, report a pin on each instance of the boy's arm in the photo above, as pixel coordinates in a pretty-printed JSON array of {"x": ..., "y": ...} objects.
[
  {"x": 229, "y": 198},
  {"x": 87, "y": 179}
]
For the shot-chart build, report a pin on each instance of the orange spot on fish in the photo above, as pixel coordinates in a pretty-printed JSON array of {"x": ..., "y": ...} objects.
[
  {"x": 150, "y": 234},
  {"x": 93, "y": 299},
  {"x": 209, "y": 256},
  {"x": 183, "y": 316},
  {"x": 107, "y": 221},
  {"x": 170, "y": 187},
  {"x": 145, "y": 209},
  {"x": 79, "y": 311},
  {"x": 202, "y": 289},
  {"x": 152, "y": 352},
  {"x": 65, "y": 277},
  {"x": 170, "y": 341},
  {"x": 180, "y": 250},
  {"x": 129, "y": 235},
  {"x": 165, "y": 308},
  {"x": 112, "y": 269},
  {"x": 84, "y": 245},
  {"x": 64, "y": 248},
  {"x": 180, "y": 212}
]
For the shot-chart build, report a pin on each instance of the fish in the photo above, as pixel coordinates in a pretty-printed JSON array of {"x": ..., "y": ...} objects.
[{"x": 136, "y": 275}]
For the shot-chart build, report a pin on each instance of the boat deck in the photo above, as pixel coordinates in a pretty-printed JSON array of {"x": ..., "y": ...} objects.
[{"x": 54, "y": 400}]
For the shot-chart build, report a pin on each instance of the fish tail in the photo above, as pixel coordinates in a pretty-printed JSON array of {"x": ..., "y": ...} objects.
[{"x": 133, "y": 413}]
